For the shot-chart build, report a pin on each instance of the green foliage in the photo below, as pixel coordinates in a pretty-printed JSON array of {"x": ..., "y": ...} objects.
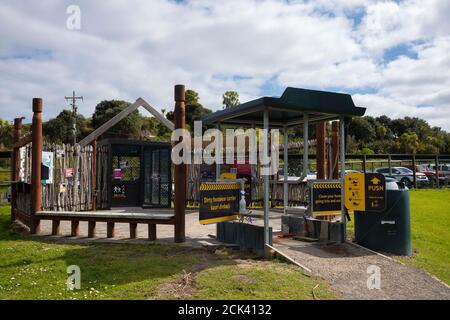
[
  {"x": 230, "y": 99},
  {"x": 6, "y": 134},
  {"x": 194, "y": 109},
  {"x": 129, "y": 127},
  {"x": 407, "y": 135},
  {"x": 60, "y": 129}
]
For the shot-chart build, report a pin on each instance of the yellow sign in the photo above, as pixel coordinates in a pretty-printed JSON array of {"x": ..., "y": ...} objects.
[
  {"x": 355, "y": 197},
  {"x": 228, "y": 176}
]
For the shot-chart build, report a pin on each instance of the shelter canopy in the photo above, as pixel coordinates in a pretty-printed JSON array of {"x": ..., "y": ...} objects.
[{"x": 290, "y": 109}]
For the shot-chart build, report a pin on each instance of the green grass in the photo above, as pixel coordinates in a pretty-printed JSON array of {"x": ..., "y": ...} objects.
[
  {"x": 430, "y": 231},
  {"x": 259, "y": 281},
  {"x": 36, "y": 269}
]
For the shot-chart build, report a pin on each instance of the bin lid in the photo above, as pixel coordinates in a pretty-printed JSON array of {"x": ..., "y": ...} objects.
[{"x": 391, "y": 184}]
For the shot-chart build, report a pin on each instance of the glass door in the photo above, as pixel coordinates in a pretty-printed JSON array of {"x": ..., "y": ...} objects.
[{"x": 157, "y": 186}]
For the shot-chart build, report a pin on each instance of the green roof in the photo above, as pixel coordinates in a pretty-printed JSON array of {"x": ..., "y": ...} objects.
[{"x": 290, "y": 109}]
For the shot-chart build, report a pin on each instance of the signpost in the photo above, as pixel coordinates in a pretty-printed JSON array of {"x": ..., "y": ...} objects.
[
  {"x": 365, "y": 192},
  {"x": 219, "y": 201},
  {"x": 325, "y": 197}
]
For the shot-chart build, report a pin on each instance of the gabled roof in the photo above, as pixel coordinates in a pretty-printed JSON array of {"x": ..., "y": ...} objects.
[{"x": 289, "y": 109}]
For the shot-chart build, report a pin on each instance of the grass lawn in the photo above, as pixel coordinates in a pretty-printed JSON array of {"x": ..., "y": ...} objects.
[
  {"x": 430, "y": 230},
  {"x": 36, "y": 269}
]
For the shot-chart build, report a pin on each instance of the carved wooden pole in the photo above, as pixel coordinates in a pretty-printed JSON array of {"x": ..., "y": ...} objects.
[
  {"x": 320, "y": 147},
  {"x": 180, "y": 169},
  {"x": 36, "y": 187},
  {"x": 15, "y": 164}
]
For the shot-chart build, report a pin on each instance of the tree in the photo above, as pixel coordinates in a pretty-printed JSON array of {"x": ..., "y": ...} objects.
[
  {"x": 6, "y": 134},
  {"x": 230, "y": 99},
  {"x": 60, "y": 129},
  {"x": 408, "y": 142},
  {"x": 128, "y": 127},
  {"x": 362, "y": 130},
  {"x": 194, "y": 109}
]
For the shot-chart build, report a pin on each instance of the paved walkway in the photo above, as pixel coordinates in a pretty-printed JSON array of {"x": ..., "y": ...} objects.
[{"x": 344, "y": 266}]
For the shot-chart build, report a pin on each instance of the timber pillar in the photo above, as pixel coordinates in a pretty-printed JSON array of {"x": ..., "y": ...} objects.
[
  {"x": 180, "y": 169},
  {"x": 36, "y": 187}
]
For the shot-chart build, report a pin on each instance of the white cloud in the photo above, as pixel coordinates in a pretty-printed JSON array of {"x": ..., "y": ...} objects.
[{"x": 127, "y": 49}]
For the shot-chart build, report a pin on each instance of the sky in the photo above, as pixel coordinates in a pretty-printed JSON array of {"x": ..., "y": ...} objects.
[{"x": 391, "y": 56}]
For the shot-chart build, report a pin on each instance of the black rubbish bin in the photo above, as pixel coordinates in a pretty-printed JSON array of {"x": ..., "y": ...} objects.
[{"x": 390, "y": 230}]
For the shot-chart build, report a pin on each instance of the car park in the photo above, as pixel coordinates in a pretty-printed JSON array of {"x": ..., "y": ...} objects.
[
  {"x": 431, "y": 173},
  {"x": 404, "y": 175}
]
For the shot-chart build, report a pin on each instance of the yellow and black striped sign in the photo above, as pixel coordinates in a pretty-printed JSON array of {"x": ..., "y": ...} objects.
[
  {"x": 325, "y": 197},
  {"x": 219, "y": 201},
  {"x": 324, "y": 185},
  {"x": 208, "y": 186}
]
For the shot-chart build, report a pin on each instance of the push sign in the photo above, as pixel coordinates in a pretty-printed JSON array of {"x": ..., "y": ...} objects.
[{"x": 365, "y": 192}]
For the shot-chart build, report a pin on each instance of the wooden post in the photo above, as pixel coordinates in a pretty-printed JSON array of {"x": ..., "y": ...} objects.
[
  {"x": 91, "y": 229},
  {"x": 36, "y": 187},
  {"x": 335, "y": 149},
  {"x": 133, "y": 230},
  {"x": 180, "y": 169},
  {"x": 75, "y": 226},
  {"x": 15, "y": 164},
  {"x": 94, "y": 175},
  {"x": 364, "y": 164},
  {"x": 110, "y": 230},
  {"x": 151, "y": 232},
  {"x": 320, "y": 149},
  {"x": 56, "y": 231},
  {"x": 436, "y": 160}
]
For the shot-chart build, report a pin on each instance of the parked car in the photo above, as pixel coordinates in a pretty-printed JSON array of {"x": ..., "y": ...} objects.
[
  {"x": 431, "y": 173},
  {"x": 404, "y": 175},
  {"x": 444, "y": 168}
]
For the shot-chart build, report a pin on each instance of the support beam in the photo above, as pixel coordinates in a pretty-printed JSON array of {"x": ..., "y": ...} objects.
[
  {"x": 15, "y": 164},
  {"x": 320, "y": 149},
  {"x": 342, "y": 158},
  {"x": 110, "y": 230},
  {"x": 436, "y": 160},
  {"x": 133, "y": 230},
  {"x": 36, "y": 187},
  {"x": 266, "y": 179},
  {"x": 334, "y": 150},
  {"x": 94, "y": 174},
  {"x": 219, "y": 148},
  {"x": 91, "y": 229},
  {"x": 305, "y": 145},
  {"x": 56, "y": 230},
  {"x": 180, "y": 169},
  {"x": 285, "y": 170},
  {"x": 151, "y": 232},
  {"x": 75, "y": 228}
]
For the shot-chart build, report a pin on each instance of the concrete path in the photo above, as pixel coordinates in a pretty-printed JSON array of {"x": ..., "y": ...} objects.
[{"x": 345, "y": 267}]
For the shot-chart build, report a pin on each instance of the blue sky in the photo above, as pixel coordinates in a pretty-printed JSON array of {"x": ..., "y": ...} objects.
[{"x": 392, "y": 56}]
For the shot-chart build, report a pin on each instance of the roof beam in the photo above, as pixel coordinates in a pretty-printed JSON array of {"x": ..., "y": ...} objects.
[{"x": 122, "y": 115}]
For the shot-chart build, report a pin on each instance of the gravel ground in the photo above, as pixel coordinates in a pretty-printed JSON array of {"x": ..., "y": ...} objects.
[{"x": 344, "y": 266}]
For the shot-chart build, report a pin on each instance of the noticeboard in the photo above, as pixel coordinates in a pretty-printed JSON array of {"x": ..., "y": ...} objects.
[
  {"x": 219, "y": 201},
  {"x": 365, "y": 192},
  {"x": 325, "y": 197}
]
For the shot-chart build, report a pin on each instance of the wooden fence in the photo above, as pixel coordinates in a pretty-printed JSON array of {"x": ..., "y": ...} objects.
[{"x": 71, "y": 188}]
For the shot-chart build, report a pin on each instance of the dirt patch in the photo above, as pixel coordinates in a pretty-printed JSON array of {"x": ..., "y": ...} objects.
[
  {"x": 182, "y": 286},
  {"x": 243, "y": 279}
]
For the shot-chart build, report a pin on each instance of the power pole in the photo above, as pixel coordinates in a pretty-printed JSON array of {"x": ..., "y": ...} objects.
[{"x": 73, "y": 100}]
